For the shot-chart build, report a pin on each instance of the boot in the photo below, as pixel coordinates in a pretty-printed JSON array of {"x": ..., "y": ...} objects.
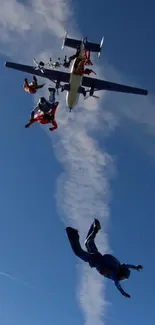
[{"x": 96, "y": 225}]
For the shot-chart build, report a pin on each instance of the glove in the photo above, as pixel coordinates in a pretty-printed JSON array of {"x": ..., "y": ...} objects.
[
  {"x": 126, "y": 295},
  {"x": 27, "y": 125},
  {"x": 138, "y": 267}
]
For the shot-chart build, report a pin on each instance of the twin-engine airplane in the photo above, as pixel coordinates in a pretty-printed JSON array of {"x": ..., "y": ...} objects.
[{"x": 75, "y": 83}]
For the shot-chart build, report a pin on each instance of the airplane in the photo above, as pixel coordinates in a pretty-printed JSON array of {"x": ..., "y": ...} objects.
[{"x": 74, "y": 83}]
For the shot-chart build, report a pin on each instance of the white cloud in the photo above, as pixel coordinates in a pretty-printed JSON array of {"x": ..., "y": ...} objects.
[
  {"x": 83, "y": 189},
  {"x": 91, "y": 300},
  {"x": 139, "y": 109},
  {"x": 32, "y": 27},
  {"x": 83, "y": 194}
]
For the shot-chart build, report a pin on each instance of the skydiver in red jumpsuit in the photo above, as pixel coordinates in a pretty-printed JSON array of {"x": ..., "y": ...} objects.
[
  {"x": 48, "y": 108},
  {"x": 89, "y": 71},
  {"x": 32, "y": 87},
  {"x": 86, "y": 58},
  {"x": 81, "y": 71}
]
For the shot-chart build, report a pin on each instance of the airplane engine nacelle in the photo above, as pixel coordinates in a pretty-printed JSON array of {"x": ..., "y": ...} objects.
[{"x": 66, "y": 87}]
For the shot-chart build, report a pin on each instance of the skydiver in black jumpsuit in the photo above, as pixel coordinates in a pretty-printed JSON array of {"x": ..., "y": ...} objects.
[{"x": 107, "y": 265}]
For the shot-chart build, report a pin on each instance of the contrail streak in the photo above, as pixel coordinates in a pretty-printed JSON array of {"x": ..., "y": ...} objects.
[{"x": 9, "y": 276}]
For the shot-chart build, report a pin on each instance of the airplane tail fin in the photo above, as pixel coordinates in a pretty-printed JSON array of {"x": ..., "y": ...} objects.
[
  {"x": 74, "y": 43},
  {"x": 94, "y": 47}
]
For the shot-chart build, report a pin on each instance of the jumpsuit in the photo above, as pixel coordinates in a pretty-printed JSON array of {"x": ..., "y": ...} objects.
[{"x": 51, "y": 104}]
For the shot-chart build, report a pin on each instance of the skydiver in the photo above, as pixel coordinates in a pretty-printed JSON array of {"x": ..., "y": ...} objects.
[
  {"x": 76, "y": 55},
  {"x": 81, "y": 71},
  {"x": 33, "y": 86},
  {"x": 67, "y": 62},
  {"x": 54, "y": 65},
  {"x": 88, "y": 71},
  {"x": 107, "y": 265},
  {"x": 45, "y": 106},
  {"x": 71, "y": 58},
  {"x": 86, "y": 58}
]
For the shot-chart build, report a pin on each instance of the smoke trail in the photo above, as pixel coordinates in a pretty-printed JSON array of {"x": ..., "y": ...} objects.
[{"x": 13, "y": 278}]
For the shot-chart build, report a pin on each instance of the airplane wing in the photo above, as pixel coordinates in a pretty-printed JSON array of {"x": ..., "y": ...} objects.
[
  {"x": 98, "y": 84},
  {"x": 48, "y": 73}
]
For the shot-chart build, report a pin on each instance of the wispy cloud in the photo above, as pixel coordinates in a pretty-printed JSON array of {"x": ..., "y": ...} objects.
[
  {"x": 26, "y": 284},
  {"x": 83, "y": 189},
  {"x": 83, "y": 193},
  {"x": 138, "y": 109},
  {"x": 33, "y": 26},
  {"x": 9, "y": 276}
]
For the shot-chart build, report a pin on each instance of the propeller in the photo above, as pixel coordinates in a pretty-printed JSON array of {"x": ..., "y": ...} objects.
[{"x": 39, "y": 66}]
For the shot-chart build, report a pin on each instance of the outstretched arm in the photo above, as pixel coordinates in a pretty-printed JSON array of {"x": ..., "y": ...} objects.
[
  {"x": 118, "y": 286},
  {"x": 134, "y": 267},
  {"x": 40, "y": 86},
  {"x": 33, "y": 112}
]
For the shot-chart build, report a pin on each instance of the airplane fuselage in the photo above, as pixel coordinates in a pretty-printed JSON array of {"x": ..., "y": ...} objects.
[{"x": 75, "y": 82}]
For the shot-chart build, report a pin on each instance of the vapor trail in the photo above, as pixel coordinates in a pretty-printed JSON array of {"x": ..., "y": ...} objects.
[{"x": 9, "y": 276}]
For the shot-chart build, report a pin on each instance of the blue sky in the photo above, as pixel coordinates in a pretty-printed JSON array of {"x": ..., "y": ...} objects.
[{"x": 100, "y": 162}]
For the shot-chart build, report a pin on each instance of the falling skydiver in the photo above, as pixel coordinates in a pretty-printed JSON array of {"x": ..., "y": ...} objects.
[
  {"x": 47, "y": 108},
  {"x": 107, "y": 265},
  {"x": 32, "y": 87}
]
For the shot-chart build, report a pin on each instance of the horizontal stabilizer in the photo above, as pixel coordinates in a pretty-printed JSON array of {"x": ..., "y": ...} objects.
[
  {"x": 74, "y": 43},
  {"x": 92, "y": 47}
]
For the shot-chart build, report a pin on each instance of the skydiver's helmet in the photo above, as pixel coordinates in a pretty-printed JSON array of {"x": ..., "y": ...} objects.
[
  {"x": 42, "y": 101},
  {"x": 124, "y": 273},
  {"x": 41, "y": 63}
]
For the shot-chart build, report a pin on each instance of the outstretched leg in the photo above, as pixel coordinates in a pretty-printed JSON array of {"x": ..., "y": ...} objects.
[
  {"x": 52, "y": 95},
  {"x": 32, "y": 119},
  {"x": 55, "y": 126},
  {"x": 30, "y": 122},
  {"x": 73, "y": 237},
  {"x": 89, "y": 242},
  {"x": 54, "y": 108},
  {"x": 40, "y": 86},
  {"x": 89, "y": 71},
  {"x": 35, "y": 82},
  {"x": 26, "y": 84}
]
